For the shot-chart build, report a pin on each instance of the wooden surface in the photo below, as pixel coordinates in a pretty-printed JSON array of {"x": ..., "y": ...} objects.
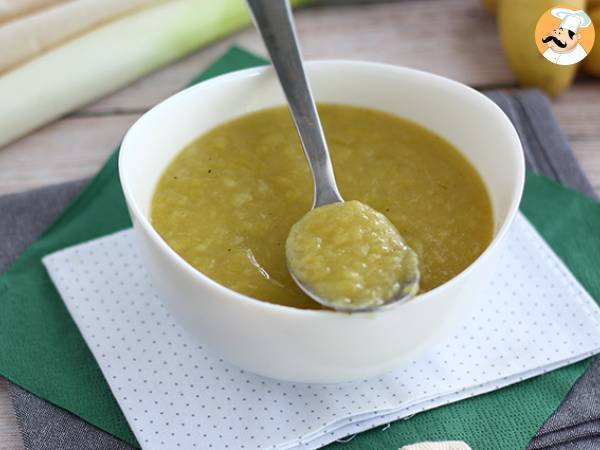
[{"x": 454, "y": 38}]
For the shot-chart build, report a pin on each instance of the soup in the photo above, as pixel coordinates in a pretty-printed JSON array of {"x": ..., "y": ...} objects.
[
  {"x": 351, "y": 256},
  {"x": 227, "y": 202}
]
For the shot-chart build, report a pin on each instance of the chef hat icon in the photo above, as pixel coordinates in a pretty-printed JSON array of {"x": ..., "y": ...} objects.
[{"x": 571, "y": 20}]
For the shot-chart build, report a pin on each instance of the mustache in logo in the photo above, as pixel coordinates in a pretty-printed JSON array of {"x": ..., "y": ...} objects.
[{"x": 556, "y": 41}]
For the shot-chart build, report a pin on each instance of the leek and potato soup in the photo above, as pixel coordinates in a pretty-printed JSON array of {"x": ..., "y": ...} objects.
[
  {"x": 351, "y": 256},
  {"x": 227, "y": 202}
]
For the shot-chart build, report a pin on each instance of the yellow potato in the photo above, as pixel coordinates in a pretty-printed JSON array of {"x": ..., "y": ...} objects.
[
  {"x": 591, "y": 64},
  {"x": 491, "y": 6},
  {"x": 516, "y": 22}
]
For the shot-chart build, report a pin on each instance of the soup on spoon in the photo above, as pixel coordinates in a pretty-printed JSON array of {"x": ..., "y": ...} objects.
[{"x": 351, "y": 255}]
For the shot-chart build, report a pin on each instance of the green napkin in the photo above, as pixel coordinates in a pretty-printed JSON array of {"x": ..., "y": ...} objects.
[{"x": 42, "y": 350}]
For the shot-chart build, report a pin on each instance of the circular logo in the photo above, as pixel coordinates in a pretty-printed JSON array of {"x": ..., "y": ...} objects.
[{"x": 564, "y": 36}]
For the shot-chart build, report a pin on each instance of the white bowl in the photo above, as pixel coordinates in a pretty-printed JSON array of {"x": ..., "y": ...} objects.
[{"x": 319, "y": 346}]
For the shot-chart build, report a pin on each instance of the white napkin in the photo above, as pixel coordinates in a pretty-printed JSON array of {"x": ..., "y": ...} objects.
[
  {"x": 533, "y": 317},
  {"x": 448, "y": 445}
]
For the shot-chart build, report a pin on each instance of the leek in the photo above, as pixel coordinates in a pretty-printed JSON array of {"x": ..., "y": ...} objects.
[
  {"x": 9, "y": 9},
  {"x": 33, "y": 34},
  {"x": 108, "y": 58}
]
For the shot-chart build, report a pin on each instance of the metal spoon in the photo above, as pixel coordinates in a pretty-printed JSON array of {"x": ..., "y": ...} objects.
[{"x": 273, "y": 19}]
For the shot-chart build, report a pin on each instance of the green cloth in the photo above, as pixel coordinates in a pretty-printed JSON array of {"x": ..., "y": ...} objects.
[{"x": 42, "y": 351}]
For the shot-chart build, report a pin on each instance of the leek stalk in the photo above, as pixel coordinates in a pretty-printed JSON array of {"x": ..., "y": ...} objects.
[
  {"x": 108, "y": 58},
  {"x": 9, "y": 9},
  {"x": 26, "y": 37}
]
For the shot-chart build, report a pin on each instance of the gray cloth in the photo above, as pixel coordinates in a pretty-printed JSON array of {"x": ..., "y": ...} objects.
[
  {"x": 44, "y": 426},
  {"x": 576, "y": 423},
  {"x": 547, "y": 150},
  {"x": 48, "y": 427},
  {"x": 27, "y": 214}
]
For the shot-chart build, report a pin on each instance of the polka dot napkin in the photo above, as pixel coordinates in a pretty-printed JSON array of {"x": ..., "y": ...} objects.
[{"x": 533, "y": 317}]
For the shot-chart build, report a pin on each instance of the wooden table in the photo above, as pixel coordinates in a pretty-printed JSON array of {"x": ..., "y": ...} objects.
[{"x": 454, "y": 38}]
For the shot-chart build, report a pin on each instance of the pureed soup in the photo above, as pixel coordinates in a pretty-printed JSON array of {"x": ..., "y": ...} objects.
[
  {"x": 351, "y": 256},
  {"x": 227, "y": 202}
]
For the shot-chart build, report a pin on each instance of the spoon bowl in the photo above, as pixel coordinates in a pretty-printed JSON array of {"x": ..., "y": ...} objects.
[
  {"x": 405, "y": 293},
  {"x": 351, "y": 258}
]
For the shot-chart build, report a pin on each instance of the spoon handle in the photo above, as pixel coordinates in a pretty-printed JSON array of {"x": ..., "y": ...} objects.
[{"x": 273, "y": 18}]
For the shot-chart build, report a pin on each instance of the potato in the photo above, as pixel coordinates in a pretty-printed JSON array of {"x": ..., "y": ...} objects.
[
  {"x": 517, "y": 20},
  {"x": 591, "y": 64}
]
